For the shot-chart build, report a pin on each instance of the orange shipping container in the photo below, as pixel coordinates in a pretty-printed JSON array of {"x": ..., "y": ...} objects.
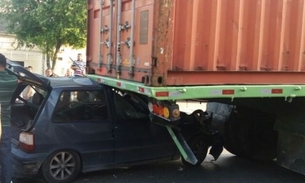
[{"x": 198, "y": 42}]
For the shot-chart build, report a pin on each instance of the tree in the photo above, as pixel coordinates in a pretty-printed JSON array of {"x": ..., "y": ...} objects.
[{"x": 47, "y": 24}]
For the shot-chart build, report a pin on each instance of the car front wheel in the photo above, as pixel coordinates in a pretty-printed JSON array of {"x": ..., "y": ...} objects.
[{"x": 61, "y": 167}]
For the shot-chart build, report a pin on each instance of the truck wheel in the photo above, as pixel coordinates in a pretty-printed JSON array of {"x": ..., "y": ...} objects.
[
  {"x": 249, "y": 133},
  {"x": 61, "y": 167},
  {"x": 199, "y": 148},
  {"x": 231, "y": 142}
]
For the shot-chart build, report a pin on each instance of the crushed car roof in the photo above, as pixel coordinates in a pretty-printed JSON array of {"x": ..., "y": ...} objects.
[
  {"x": 71, "y": 81},
  {"x": 25, "y": 75}
]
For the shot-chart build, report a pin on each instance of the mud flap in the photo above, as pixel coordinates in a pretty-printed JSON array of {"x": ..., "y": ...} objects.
[
  {"x": 291, "y": 142},
  {"x": 181, "y": 144},
  {"x": 217, "y": 146},
  {"x": 291, "y": 152}
]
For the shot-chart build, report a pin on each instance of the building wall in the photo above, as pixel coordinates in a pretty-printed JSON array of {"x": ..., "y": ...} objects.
[
  {"x": 26, "y": 56},
  {"x": 34, "y": 56}
]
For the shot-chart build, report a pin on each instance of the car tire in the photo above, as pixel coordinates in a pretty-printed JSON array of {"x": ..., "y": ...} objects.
[
  {"x": 61, "y": 167},
  {"x": 199, "y": 148}
]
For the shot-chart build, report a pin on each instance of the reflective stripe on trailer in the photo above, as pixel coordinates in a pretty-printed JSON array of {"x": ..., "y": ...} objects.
[
  {"x": 144, "y": 90},
  {"x": 121, "y": 85},
  {"x": 228, "y": 92},
  {"x": 222, "y": 92},
  {"x": 272, "y": 91}
]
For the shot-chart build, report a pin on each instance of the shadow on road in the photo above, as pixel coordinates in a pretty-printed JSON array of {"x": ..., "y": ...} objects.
[{"x": 228, "y": 168}]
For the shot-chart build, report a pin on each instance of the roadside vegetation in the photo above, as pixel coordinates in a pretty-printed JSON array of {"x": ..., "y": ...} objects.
[{"x": 47, "y": 24}]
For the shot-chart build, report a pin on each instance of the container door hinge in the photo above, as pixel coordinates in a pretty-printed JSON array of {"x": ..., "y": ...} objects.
[
  {"x": 105, "y": 29},
  {"x": 106, "y": 43},
  {"x": 125, "y": 26},
  {"x": 127, "y": 42}
]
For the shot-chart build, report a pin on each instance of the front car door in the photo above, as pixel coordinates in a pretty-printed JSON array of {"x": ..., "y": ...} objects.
[{"x": 136, "y": 138}]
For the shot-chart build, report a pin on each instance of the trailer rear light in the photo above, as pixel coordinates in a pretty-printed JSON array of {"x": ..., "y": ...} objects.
[
  {"x": 169, "y": 111},
  {"x": 176, "y": 113},
  {"x": 155, "y": 109},
  {"x": 162, "y": 94},
  {"x": 166, "y": 112},
  {"x": 161, "y": 111},
  {"x": 26, "y": 141}
]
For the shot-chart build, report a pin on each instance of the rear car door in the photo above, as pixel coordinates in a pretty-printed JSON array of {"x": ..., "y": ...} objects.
[{"x": 83, "y": 122}]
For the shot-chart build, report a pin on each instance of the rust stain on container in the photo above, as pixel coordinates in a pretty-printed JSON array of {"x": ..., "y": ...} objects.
[{"x": 198, "y": 42}]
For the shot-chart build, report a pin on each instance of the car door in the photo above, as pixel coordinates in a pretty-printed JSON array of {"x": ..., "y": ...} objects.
[
  {"x": 136, "y": 138},
  {"x": 83, "y": 122}
]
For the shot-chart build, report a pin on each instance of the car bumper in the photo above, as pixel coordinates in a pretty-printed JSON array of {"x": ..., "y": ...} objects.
[{"x": 26, "y": 165}]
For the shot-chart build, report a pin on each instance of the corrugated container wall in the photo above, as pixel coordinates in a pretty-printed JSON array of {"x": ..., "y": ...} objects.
[{"x": 198, "y": 42}]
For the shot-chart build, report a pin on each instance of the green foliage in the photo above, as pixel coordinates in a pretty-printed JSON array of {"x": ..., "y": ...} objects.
[{"x": 48, "y": 24}]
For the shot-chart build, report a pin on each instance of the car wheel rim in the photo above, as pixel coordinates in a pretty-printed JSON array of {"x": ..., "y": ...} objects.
[{"x": 62, "y": 166}]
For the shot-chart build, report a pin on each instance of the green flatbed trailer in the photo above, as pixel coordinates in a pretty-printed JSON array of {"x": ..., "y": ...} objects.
[
  {"x": 283, "y": 102},
  {"x": 288, "y": 92}
]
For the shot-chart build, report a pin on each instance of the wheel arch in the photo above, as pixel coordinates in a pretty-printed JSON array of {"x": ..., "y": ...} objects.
[{"x": 59, "y": 150}]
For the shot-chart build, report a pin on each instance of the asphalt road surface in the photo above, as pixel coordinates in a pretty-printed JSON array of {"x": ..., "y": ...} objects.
[{"x": 228, "y": 168}]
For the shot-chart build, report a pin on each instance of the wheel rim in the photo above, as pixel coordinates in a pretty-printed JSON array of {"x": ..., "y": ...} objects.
[
  {"x": 200, "y": 150},
  {"x": 62, "y": 165}
]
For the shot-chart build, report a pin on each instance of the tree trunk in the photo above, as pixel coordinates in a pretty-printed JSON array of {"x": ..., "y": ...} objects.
[
  {"x": 48, "y": 60},
  {"x": 48, "y": 57},
  {"x": 54, "y": 57}
]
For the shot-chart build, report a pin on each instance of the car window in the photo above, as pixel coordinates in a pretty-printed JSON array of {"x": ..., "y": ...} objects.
[
  {"x": 81, "y": 106},
  {"x": 31, "y": 95},
  {"x": 125, "y": 107}
]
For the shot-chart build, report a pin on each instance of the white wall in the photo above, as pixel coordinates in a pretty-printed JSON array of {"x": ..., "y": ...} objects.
[
  {"x": 30, "y": 57},
  {"x": 64, "y": 62},
  {"x": 35, "y": 58}
]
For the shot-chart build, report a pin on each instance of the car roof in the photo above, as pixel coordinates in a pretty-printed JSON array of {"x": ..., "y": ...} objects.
[
  {"x": 45, "y": 82},
  {"x": 56, "y": 82}
]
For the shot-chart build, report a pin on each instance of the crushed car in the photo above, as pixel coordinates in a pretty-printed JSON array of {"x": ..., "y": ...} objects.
[{"x": 73, "y": 125}]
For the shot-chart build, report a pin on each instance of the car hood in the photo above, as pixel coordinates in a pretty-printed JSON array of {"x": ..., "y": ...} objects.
[{"x": 25, "y": 75}]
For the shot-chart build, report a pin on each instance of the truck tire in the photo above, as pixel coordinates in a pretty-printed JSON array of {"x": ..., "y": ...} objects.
[
  {"x": 249, "y": 133},
  {"x": 230, "y": 138}
]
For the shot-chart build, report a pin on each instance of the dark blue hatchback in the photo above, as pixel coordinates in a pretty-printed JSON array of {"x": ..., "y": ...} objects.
[{"x": 73, "y": 125}]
